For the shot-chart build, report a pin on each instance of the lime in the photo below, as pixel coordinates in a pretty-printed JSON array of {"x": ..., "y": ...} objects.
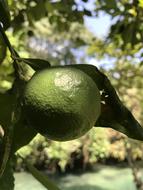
[{"x": 61, "y": 103}]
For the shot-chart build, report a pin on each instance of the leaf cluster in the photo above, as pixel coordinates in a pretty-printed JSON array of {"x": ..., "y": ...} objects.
[
  {"x": 127, "y": 16},
  {"x": 24, "y": 16},
  {"x": 59, "y": 13},
  {"x": 99, "y": 145}
]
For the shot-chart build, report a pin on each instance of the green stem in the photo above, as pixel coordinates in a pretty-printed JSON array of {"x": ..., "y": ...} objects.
[
  {"x": 14, "y": 54},
  {"x": 6, "y": 40},
  {"x": 42, "y": 178},
  {"x": 6, "y": 145},
  {"x": 8, "y": 137}
]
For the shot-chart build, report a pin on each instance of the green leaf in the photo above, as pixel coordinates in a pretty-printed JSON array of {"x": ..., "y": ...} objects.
[
  {"x": 141, "y": 3},
  {"x": 110, "y": 4},
  {"x": 36, "y": 64},
  {"x": 39, "y": 8},
  {"x": 2, "y": 49},
  {"x": 18, "y": 21},
  {"x": 43, "y": 179},
  {"x": 6, "y": 106},
  {"x": 7, "y": 180},
  {"x": 87, "y": 12},
  {"x": 4, "y": 13},
  {"x": 112, "y": 107},
  {"x": 6, "y": 109},
  {"x": 23, "y": 134}
]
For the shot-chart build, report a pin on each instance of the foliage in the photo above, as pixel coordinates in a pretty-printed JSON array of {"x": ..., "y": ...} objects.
[
  {"x": 99, "y": 145},
  {"x": 60, "y": 29},
  {"x": 59, "y": 156},
  {"x": 46, "y": 154},
  {"x": 4, "y": 14},
  {"x": 126, "y": 29},
  {"x": 7, "y": 180}
]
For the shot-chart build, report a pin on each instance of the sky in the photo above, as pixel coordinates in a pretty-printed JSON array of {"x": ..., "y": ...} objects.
[{"x": 99, "y": 26}]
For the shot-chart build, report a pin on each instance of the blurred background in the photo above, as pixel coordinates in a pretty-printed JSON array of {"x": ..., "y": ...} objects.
[{"x": 104, "y": 33}]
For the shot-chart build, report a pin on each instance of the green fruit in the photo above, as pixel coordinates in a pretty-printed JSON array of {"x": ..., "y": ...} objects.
[
  {"x": 91, "y": 71},
  {"x": 62, "y": 103}
]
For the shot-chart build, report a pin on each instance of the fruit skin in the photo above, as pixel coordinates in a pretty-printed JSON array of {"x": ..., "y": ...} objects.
[
  {"x": 62, "y": 103},
  {"x": 91, "y": 71}
]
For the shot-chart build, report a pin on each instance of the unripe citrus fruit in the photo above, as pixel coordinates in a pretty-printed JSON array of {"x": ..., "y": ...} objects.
[{"x": 61, "y": 103}]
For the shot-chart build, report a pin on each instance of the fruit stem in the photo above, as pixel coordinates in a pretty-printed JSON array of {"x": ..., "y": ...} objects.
[
  {"x": 17, "y": 67},
  {"x": 6, "y": 40},
  {"x": 8, "y": 137}
]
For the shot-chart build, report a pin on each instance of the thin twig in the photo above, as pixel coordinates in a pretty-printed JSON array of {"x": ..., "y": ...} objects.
[{"x": 7, "y": 139}]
